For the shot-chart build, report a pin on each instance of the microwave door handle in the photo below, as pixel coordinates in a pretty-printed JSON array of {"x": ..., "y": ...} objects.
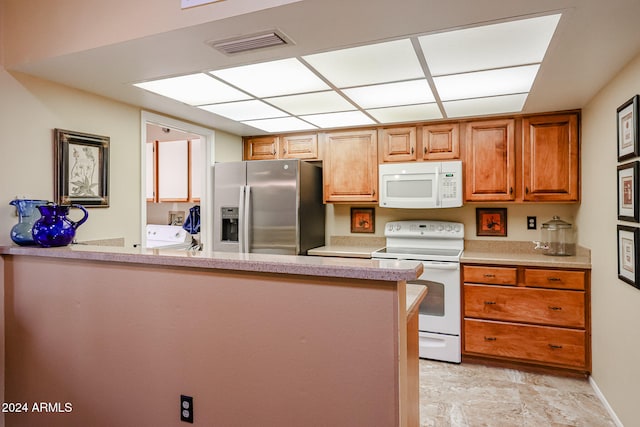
[{"x": 437, "y": 186}]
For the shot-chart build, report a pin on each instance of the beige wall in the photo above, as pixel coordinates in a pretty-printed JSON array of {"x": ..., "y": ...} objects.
[
  {"x": 339, "y": 224},
  {"x": 615, "y": 304},
  {"x": 30, "y": 109}
]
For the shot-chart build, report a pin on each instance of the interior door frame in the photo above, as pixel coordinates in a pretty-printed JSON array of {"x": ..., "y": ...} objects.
[{"x": 208, "y": 136}]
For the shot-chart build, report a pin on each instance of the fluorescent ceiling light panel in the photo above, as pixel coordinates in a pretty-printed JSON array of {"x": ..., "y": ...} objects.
[
  {"x": 484, "y": 106},
  {"x": 491, "y": 46},
  {"x": 486, "y": 83},
  {"x": 334, "y": 120},
  {"x": 365, "y": 65},
  {"x": 245, "y": 110},
  {"x": 283, "y": 77},
  {"x": 406, "y": 113},
  {"x": 312, "y": 103},
  {"x": 391, "y": 94},
  {"x": 194, "y": 89},
  {"x": 284, "y": 124}
]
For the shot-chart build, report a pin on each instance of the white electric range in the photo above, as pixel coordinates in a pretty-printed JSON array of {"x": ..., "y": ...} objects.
[{"x": 438, "y": 245}]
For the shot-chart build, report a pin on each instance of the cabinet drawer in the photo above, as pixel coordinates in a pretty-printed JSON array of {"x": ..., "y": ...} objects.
[
  {"x": 557, "y": 279},
  {"x": 491, "y": 275},
  {"x": 542, "y": 306},
  {"x": 527, "y": 342}
]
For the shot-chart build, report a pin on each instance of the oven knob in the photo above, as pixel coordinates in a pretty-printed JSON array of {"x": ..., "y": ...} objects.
[
  {"x": 440, "y": 227},
  {"x": 398, "y": 227},
  {"x": 449, "y": 227}
]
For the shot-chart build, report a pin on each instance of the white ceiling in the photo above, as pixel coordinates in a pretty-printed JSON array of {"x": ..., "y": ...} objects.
[{"x": 593, "y": 41}]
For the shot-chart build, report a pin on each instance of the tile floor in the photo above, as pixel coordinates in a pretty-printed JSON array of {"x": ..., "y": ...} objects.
[{"x": 472, "y": 395}]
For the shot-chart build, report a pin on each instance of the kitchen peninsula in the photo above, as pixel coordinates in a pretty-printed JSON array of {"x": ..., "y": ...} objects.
[{"x": 255, "y": 339}]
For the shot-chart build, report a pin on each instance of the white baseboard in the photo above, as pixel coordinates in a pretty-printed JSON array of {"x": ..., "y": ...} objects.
[{"x": 608, "y": 407}]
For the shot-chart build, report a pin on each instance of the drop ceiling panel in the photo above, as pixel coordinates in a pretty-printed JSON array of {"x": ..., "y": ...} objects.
[
  {"x": 334, "y": 120},
  {"x": 283, "y": 77},
  {"x": 407, "y": 113},
  {"x": 366, "y": 65},
  {"x": 391, "y": 94},
  {"x": 505, "y": 44},
  {"x": 486, "y": 83},
  {"x": 194, "y": 89},
  {"x": 245, "y": 110},
  {"x": 284, "y": 124},
  {"x": 312, "y": 103},
  {"x": 485, "y": 106}
]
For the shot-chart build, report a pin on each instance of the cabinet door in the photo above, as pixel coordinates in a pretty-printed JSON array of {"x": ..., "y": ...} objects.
[
  {"x": 441, "y": 142},
  {"x": 262, "y": 148},
  {"x": 300, "y": 147},
  {"x": 195, "y": 169},
  {"x": 350, "y": 168},
  {"x": 150, "y": 172},
  {"x": 490, "y": 161},
  {"x": 398, "y": 144},
  {"x": 173, "y": 171},
  {"x": 550, "y": 158}
]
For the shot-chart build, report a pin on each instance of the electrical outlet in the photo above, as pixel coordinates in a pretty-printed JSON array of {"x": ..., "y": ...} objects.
[
  {"x": 532, "y": 223},
  {"x": 186, "y": 408}
]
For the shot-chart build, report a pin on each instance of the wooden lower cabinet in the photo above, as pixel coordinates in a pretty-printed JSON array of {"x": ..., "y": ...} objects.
[{"x": 535, "y": 316}]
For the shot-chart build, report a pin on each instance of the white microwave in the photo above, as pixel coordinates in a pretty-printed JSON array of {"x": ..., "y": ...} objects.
[{"x": 421, "y": 184}]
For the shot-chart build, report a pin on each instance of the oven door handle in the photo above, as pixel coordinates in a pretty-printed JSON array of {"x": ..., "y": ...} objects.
[{"x": 440, "y": 266}]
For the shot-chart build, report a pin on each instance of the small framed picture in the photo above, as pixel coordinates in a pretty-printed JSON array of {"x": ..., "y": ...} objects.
[
  {"x": 628, "y": 129},
  {"x": 82, "y": 169},
  {"x": 628, "y": 240},
  {"x": 363, "y": 220},
  {"x": 491, "y": 222},
  {"x": 628, "y": 192},
  {"x": 176, "y": 217}
]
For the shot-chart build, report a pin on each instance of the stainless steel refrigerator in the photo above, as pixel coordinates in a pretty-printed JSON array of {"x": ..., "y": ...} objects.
[{"x": 268, "y": 206}]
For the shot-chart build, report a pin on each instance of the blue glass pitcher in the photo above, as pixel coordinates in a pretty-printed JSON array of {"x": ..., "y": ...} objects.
[
  {"x": 54, "y": 228},
  {"x": 27, "y": 216}
]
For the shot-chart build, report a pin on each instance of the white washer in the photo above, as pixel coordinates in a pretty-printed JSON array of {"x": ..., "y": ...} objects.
[{"x": 167, "y": 237}]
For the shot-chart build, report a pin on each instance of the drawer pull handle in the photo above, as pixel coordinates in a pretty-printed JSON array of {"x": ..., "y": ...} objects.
[
  {"x": 489, "y": 275},
  {"x": 489, "y": 302},
  {"x": 492, "y": 339},
  {"x": 554, "y": 279},
  {"x": 555, "y": 308},
  {"x": 555, "y": 346}
]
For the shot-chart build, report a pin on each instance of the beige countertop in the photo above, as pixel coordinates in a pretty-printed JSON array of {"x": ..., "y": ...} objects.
[
  {"x": 386, "y": 270},
  {"x": 476, "y": 252}
]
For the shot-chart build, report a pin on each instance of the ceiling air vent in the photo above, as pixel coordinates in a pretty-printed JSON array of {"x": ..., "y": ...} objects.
[{"x": 249, "y": 43}]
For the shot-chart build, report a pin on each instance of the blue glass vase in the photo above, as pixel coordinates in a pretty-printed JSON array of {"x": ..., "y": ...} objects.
[
  {"x": 27, "y": 216},
  {"x": 54, "y": 228}
]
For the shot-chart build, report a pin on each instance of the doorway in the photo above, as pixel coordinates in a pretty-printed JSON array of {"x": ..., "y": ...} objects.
[{"x": 176, "y": 174}]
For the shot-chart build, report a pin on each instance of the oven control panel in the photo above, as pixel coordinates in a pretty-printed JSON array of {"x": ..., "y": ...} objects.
[{"x": 421, "y": 229}]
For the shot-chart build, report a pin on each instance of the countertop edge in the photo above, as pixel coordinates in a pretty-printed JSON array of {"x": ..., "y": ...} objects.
[
  {"x": 533, "y": 260},
  {"x": 257, "y": 263}
]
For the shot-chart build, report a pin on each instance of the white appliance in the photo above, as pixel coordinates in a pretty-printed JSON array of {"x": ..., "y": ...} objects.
[
  {"x": 167, "y": 237},
  {"x": 438, "y": 244},
  {"x": 421, "y": 184}
]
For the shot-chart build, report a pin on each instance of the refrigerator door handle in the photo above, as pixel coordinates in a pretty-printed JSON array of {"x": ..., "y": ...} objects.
[
  {"x": 241, "y": 219},
  {"x": 246, "y": 218}
]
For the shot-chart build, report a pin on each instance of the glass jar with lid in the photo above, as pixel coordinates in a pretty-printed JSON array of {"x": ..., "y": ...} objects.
[{"x": 557, "y": 238}]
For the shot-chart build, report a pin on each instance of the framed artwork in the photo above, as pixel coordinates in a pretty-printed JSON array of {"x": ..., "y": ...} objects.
[
  {"x": 176, "y": 217},
  {"x": 628, "y": 192},
  {"x": 491, "y": 222},
  {"x": 628, "y": 129},
  {"x": 628, "y": 265},
  {"x": 81, "y": 169},
  {"x": 363, "y": 220}
]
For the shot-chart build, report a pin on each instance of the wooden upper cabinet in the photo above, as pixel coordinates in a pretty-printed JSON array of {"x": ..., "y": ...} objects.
[
  {"x": 490, "y": 160},
  {"x": 550, "y": 158},
  {"x": 398, "y": 144},
  {"x": 350, "y": 170},
  {"x": 261, "y": 148},
  {"x": 441, "y": 142},
  {"x": 299, "y": 146}
]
